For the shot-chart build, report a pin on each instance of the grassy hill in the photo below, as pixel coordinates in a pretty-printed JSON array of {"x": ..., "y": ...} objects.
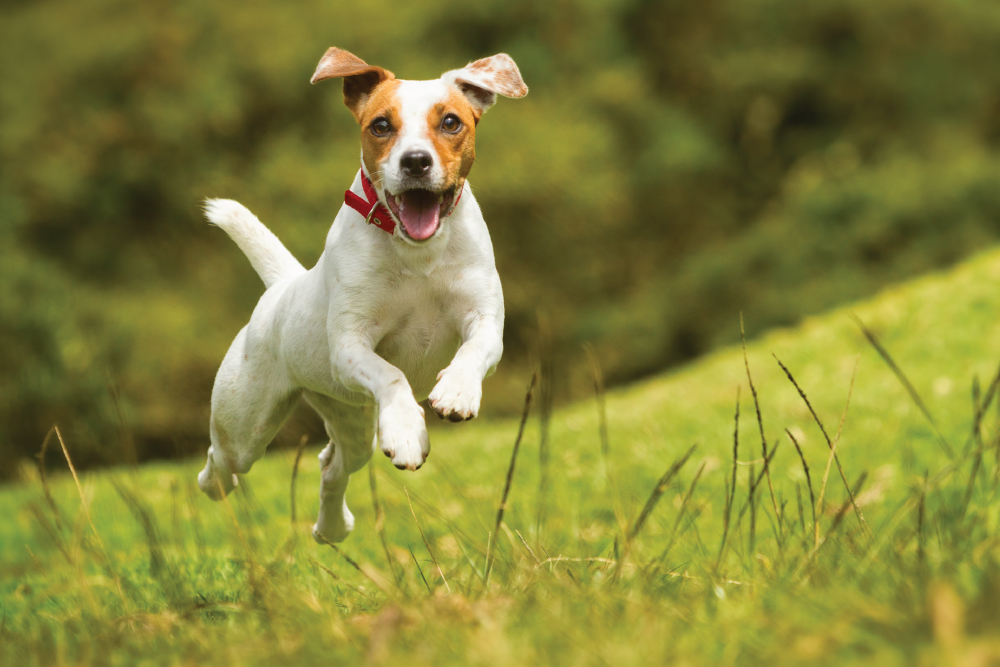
[{"x": 579, "y": 572}]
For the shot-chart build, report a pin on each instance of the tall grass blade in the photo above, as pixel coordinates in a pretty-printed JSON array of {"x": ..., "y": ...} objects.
[
  {"x": 756, "y": 481},
  {"x": 830, "y": 444},
  {"x": 380, "y": 526},
  {"x": 798, "y": 499},
  {"x": 420, "y": 571},
  {"x": 970, "y": 487},
  {"x": 427, "y": 544},
  {"x": 43, "y": 476},
  {"x": 370, "y": 574},
  {"x": 148, "y": 524},
  {"x": 838, "y": 519},
  {"x": 836, "y": 439},
  {"x": 333, "y": 575},
  {"x": 752, "y": 505},
  {"x": 510, "y": 470},
  {"x": 295, "y": 473},
  {"x": 920, "y": 524},
  {"x": 546, "y": 396},
  {"x": 528, "y": 547},
  {"x": 812, "y": 499},
  {"x": 657, "y": 493},
  {"x": 160, "y": 568},
  {"x": 907, "y": 385},
  {"x": 253, "y": 574},
  {"x": 730, "y": 487},
  {"x": 982, "y": 406},
  {"x": 681, "y": 513},
  {"x": 760, "y": 419},
  {"x": 429, "y": 507},
  {"x": 90, "y": 520}
]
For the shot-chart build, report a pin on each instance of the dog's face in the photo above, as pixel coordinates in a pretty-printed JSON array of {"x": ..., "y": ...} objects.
[{"x": 418, "y": 138}]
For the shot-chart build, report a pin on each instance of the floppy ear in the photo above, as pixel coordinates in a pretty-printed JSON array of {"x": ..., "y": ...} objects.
[
  {"x": 486, "y": 78},
  {"x": 360, "y": 78}
]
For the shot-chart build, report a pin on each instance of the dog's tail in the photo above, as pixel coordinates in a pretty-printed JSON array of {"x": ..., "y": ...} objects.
[{"x": 269, "y": 258}]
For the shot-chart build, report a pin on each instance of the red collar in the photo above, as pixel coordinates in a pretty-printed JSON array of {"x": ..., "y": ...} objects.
[{"x": 372, "y": 210}]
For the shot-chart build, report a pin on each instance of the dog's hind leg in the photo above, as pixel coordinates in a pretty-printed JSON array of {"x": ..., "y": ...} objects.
[
  {"x": 351, "y": 431},
  {"x": 251, "y": 399}
]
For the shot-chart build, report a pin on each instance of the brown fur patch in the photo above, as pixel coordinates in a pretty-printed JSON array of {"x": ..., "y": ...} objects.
[
  {"x": 383, "y": 101},
  {"x": 360, "y": 78},
  {"x": 498, "y": 74},
  {"x": 456, "y": 151}
]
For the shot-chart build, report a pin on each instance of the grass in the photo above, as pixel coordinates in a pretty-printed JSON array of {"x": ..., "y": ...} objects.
[{"x": 650, "y": 525}]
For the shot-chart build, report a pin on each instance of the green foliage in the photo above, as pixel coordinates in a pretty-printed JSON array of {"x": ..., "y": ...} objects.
[
  {"x": 168, "y": 577},
  {"x": 674, "y": 164}
]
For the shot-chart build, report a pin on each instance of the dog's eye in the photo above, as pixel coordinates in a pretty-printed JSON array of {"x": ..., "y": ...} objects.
[
  {"x": 451, "y": 123},
  {"x": 380, "y": 127}
]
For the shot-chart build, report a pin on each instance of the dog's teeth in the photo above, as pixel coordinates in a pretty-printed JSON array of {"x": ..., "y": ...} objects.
[
  {"x": 440, "y": 198},
  {"x": 399, "y": 200}
]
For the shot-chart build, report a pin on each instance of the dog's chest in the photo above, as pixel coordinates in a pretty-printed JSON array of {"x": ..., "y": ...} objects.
[{"x": 420, "y": 333}]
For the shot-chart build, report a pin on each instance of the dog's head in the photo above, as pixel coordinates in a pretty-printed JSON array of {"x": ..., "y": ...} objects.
[{"x": 418, "y": 138}]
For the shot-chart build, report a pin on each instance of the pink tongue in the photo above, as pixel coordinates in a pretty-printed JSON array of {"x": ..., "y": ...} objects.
[{"x": 419, "y": 213}]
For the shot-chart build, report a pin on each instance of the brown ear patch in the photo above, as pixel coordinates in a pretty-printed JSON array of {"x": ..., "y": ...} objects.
[
  {"x": 456, "y": 151},
  {"x": 360, "y": 78},
  {"x": 500, "y": 75},
  {"x": 481, "y": 81}
]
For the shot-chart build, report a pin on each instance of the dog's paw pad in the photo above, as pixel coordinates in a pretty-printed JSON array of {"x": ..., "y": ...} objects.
[
  {"x": 456, "y": 396},
  {"x": 402, "y": 435}
]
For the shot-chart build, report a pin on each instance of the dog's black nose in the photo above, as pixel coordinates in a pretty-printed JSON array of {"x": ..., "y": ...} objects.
[{"x": 416, "y": 163}]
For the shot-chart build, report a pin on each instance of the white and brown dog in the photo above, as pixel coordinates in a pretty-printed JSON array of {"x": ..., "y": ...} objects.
[{"x": 406, "y": 286}]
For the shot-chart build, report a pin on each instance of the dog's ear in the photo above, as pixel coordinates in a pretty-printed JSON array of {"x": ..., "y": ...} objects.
[
  {"x": 360, "y": 78},
  {"x": 486, "y": 78}
]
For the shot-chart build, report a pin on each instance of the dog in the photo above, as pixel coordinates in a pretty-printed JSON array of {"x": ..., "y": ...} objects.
[{"x": 404, "y": 304}]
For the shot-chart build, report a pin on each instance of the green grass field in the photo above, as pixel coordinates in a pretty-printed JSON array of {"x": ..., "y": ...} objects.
[{"x": 590, "y": 566}]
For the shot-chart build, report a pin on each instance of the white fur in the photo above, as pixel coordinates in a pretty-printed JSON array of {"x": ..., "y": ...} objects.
[
  {"x": 416, "y": 99},
  {"x": 269, "y": 258},
  {"x": 369, "y": 328}
]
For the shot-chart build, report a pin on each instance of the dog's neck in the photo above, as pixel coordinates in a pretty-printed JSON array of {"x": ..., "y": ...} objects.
[{"x": 418, "y": 258}]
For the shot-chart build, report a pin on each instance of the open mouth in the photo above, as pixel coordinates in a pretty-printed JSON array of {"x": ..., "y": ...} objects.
[{"x": 420, "y": 211}]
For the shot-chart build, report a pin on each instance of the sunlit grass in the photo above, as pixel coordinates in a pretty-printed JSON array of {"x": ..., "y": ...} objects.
[{"x": 635, "y": 538}]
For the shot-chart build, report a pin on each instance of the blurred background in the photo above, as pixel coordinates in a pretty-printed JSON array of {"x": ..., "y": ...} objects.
[{"x": 675, "y": 163}]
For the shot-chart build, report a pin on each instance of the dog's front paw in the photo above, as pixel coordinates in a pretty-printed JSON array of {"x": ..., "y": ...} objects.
[
  {"x": 402, "y": 434},
  {"x": 457, "y": 395}
]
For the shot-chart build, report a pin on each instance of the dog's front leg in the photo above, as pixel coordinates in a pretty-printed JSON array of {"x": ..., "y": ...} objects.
[
  {"x": 459, "y": 389},
  {"x": 402, "y": 433}
]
